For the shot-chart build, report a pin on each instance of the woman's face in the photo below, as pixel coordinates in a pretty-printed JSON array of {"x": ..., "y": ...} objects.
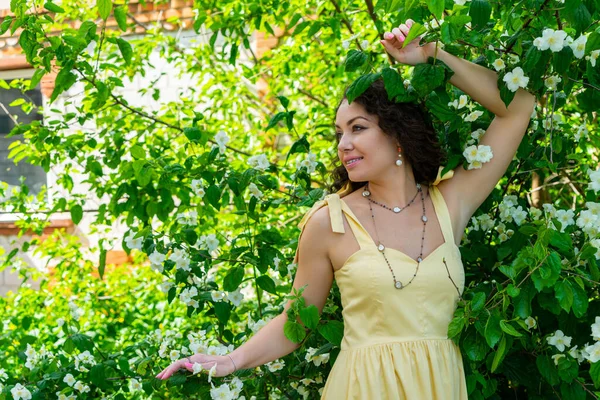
[{"x": 361, "y": 139}]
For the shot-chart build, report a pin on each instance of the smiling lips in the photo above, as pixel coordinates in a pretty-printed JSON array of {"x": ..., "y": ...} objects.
[{"x": 351, "y": 162}]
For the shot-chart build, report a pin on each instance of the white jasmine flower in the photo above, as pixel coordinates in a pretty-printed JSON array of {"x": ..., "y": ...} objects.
[
  {"x": 578, "y": 46},
  {"x": 181, "y": 259},
  {"x": 594, "y": 180},
  {"x": 259, "y": 162},
  {"x": 135, "y": 385},
  {"x": 462, "y": 101},
  {"x": 535, "y": 213},
  {"x": 212, "y": 373},
  {"x": 559, "y": 340},
  {"x": 460, "y": 2},
  {"x": 519, "y": 215},
  {"x": 473, "y": 116},
  {"x": 513, "y": 58},
  {"x": 516, "y": 79},
  {"x": 552, "y": 81},
  {"x": 346, "y": 44},
  {"x": 530, "y": 322},
  {"x": 557, "y": 357},
  {"x": 593, "y": 352},
  {"x": 593, "y": 57},
  {"x": 20, "y": 392},
  {"x": 566, "y": 218},
  {"x": 364, "y": 44},
  {"x": 539, "y": 43},
  {"x": 406, "y": 82},
  {"x": 596, "y": 329},
  {"x": 235, "y": 297},
  {"x": 222, "y": 139},
  {"x": 165, "y": 286},
  {"x": 157, "y": 258},
  {"x": 174, "y": 355},
  {"x": 549, "y": 209},
  {"x": 255, "y": 191},
  {"x": 197, "y": 368},
  {"x": 217, "y": 295},
  {"x": 69, "y": 380},
  {"x": 198, "y": 188},
  {"x": 553, "y": 40},
  {"x": 276, "y": 365},
  {"x": 211, "y": 242},
  {"x": 3, "y": 375},
  {"x": 582, "y": 131},
  {"x": 133, "y": 243},
  {"x": 498, "y": 64},
  {"x": 80, "y": 387}
]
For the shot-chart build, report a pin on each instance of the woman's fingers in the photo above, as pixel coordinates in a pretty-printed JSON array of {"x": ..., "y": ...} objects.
[
  {"x": 404, "y": 29},
  {"x": 398, "y": 34}
]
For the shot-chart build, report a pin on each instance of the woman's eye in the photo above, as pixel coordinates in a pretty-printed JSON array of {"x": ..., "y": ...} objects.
[{"x": 357, "y": 127}]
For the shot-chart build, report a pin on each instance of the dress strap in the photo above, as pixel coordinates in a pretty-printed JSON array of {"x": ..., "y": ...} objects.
[
  {"x": 441, "y": 208},
  {"x": 336, "y": 207}
]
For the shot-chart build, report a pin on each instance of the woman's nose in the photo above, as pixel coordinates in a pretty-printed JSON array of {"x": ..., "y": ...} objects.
[{"x": 344, "y": 143}]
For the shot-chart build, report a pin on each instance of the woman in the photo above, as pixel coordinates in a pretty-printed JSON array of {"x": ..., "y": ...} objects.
[{"x": 399, "y": 287}]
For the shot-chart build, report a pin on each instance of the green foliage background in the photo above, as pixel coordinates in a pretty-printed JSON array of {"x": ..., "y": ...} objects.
[{"x": 145, "y": 161}]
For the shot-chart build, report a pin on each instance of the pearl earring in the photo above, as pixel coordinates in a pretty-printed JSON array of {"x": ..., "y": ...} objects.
[{"x": 399, "y": 160}]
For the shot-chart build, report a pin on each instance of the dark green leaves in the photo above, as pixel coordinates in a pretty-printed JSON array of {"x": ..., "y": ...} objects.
[
  {"x": 436, "y": 7},
  {"x": 480, "y": 11},
  {"x": 333, "y": 331},
  {"x": 394, "y": 84},
  {"x": 310, "y": 316},
  {"x": 360, "y": 85},
  {"x": 126, "y": 50},
  {"x": 76, "y": 213},
  {"x": 355, "y": 59},
  {"x": 265, "y": 282},
  {"x": 121, "y": 17},
  {"x": 233, "y": 279},
  {"x": 294, "y": 331},
  {"x": 53, "y": 7},
  {"x": 427, "y": 77}
]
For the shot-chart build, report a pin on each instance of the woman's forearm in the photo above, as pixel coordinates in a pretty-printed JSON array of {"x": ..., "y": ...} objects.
[
  {"x": 268, "y": 344},
  {"x": 481, "y": 84}
]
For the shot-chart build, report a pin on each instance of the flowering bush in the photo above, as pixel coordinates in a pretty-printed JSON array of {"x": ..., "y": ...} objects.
[{"x": 210, "y": 196}]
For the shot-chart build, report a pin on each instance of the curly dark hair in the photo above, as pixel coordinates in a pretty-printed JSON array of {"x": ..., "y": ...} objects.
[{"x": 410, "y": 125}]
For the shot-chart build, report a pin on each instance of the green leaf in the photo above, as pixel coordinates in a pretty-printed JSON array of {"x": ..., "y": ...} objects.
[
  {"x": 427, "y": 77},
  {"x": 138, "y": 152},
  {"x": 121, "y": 17},
  {"x": 333, "y": 331},
  {"x": 359, "y": 86},
  {"x": 547, "y": 369},
  {"x": 493, "y": 332},
  {"x": 310, "y": 316},
  {"x": 580, "y": 17},
  {"x": 572, "y": 391},
  {"x": 102, "y": 263},
  {"x": 478, "y": 301},
  {"x": 83, "y": 342},
  {"x": 76, "y": 213},
  {"x": 580, "y": 301},
  {"x": 456, "y": 326},
  {"x": 508, "y": 328},
  {"x": 562, "y": 60},
  {"x": 126, "y": 50},
  {"x": 394, "y": 85},
  {"x": 593, "y": 42},
  {"x": 564, "y": 294},
  {"x": 480, "y": 12},
  {"x": 436, "y": 7},
  {"x": 474, "y": 346},
  {"x": 294, "y": 331},
  {"x": 280, "y": 116},
  {"x": 53, "y": 8},
  {"x": 595, "y": 374},
  {"x": 213, "y": 195},
  {"x": 8, "y": 20},
  {"x": 506, "y": 94},
  {"x": 299, "y": 146},
  {"x": 415, "y": 30},
  {"x": 104, "y": 8},
  {"x": 193, "y": 134},
  {"x": 266, "y": 283},
  {"x": 500, "y": 353},
  {"x": 354, "y": 60},
  {"x": 548, "y": 273},
  {"x": 589, "y": 99},
  {"x": 222, "y": 311},
  {"x": 233, "y": 279}
]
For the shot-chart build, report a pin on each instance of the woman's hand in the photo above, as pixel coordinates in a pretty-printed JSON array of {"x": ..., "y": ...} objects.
[
  {"x": 224, "y": 365},
  {"x": 412, "y": 54}
]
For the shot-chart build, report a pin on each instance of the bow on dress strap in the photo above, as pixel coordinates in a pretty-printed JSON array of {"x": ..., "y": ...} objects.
[
  {"x": 449, "y": 174},
  {"x": 335, "y": 212}
]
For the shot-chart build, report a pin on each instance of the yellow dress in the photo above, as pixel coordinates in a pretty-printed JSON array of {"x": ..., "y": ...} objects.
[{"x": 395, "y": 343}]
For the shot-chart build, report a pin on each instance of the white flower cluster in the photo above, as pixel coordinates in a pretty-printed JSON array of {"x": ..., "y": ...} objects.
[
  {"x": 275, "y": 366},
  {"x": 256, "y": 326},
  {"x": 557, "y": 40},
  {"x": 483, "y": 222},
  {"x": 302, "y": 386},
  {"x": 210, "y": 242},
  {"x": 475, "y": 136},
  {"x": 552, "y": 121},
  {"x": 84, "y": 358},
  {"x": 133, "y": 243},
  {"x": 477, "y": 155},
  {"x": 582, "y": 131},
  {"x": 260, "y": 162},
  {"x": 503, "y": 233},
  {"x": 594, "y": 180},
  {"x": 317, "y": 360},
  {"x": 34, "y": 357},
  {"x": 593, "y": 57},
  {"x": 77, "y": 385},
  {"x": 181, "y": 259},
  {"x": 588, "y": 352},
  {"x": 62, "y": 396},
  {"x": 309, "y": 162},
  {"x": 187, "y": 218},
  {"x": 472, "y": 116},
  {"x": 460, "y": 102},
  {"x": 75, "y": 311},
  {"x": 156, "y": 260},
  {"x": 20, "y": 392},
  {"x": 187, "y": 296},
  {"x": 227, "y": 391},
  {"x": 222, "y": 139},
  {"x": 510, "y": 211},
  {"x": 198, "y": 188}
]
